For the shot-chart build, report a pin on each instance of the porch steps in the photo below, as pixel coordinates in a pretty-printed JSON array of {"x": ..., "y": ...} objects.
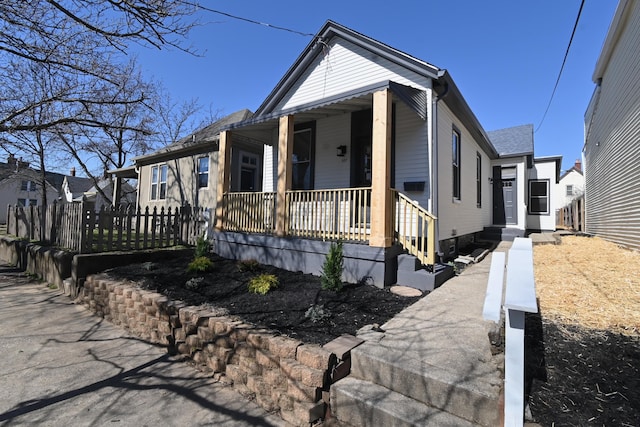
[
  {"x": 499, "y": 234},
  {"x": 368, "y": 404},
  {"x": 432, "y": 364},
  {"x": 411, "y": 273}
]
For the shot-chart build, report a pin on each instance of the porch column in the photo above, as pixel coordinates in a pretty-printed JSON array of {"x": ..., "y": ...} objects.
[
  {"x": 381, "y": 198},
  {"x": 224, "y": 175},
  {"x": 285, "y": 154}
]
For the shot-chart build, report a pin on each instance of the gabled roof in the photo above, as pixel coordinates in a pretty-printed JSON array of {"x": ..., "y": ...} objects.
[
  {"x": 204, "y": 139},
  {"x": 266, "y": 114},
  {"x": 78, "y": 184},
  {"x": 513, "y": 141},
  {"x": 328, "y": 31}
]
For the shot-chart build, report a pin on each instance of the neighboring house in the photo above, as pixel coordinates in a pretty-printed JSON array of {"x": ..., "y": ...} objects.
[
  {"x": 570, "y": 185},
  {"x": 19, "y": 185},
  {"x": 127, "y": 197},
  {"x": 611, "y": 150},
  {"x": 186, "y": 172},
  {"x": 371, "y": 146},
  {"x": 74, "y": 188}
]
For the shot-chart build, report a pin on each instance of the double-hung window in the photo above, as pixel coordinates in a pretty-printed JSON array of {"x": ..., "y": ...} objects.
[
  {"x": 302, "y": 161},
  {"x": 539, "y": 197},
  {"x": 159, "y": 182},
  {"x": 28, "y": 186},
  {"x": 203, "y": 172},
  {"x": 455, "y": 146}
]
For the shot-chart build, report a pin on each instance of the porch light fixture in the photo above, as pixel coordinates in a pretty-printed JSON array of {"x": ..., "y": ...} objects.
[{"x": 341, "y": 150}]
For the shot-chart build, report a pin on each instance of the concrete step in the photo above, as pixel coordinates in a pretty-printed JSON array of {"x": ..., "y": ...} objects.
[
  {"x": 412, "y": 274},
  {"x": 501, "y": 234},
  {"x": 362, "y": 403},
  {"x": 442, "y": 380}
]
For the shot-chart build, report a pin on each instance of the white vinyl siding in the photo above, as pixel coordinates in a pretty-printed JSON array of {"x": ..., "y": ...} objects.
[
  {"x": 332, "y": 73},
  {"x": 459, "y": 217},
  {"x": 411, "y": 153},
  {"x": 333, "y": 171},
  {"x": 612, "y": 169}
]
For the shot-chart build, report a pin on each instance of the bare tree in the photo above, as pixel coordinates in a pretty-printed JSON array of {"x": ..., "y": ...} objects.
[{"x": 78, "y": 39}]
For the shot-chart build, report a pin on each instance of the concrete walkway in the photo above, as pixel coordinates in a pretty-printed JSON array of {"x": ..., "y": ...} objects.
[
  {"x": 437, "y": 351},
  {"x": 62, "y": 366}
]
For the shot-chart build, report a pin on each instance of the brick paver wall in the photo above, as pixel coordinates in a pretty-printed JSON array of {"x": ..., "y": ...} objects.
[{"x": 282, "y": 374}]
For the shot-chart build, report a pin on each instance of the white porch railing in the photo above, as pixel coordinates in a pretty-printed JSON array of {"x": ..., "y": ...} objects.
[
  {"x": 340, "y": 214},
  {"x": 249, "y": 212},
  {"x": 415, "y": 229}
]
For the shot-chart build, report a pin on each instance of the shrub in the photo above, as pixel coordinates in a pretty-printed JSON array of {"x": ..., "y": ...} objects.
[
  {"x": 263, "y": 283},
  {"x": 317, "y": 313},
  {"x": 248, "y": 265},
  {"x": 194, "y": 283},
  {"x": 331, "y": 277},
  {"x": 202, "y": 247},
  {"x": 200, "y": 265}
]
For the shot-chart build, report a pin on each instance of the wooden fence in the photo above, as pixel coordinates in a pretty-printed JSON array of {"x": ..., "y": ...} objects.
[
  {"x": 78, "y": 227},
  {"x": 572, "y": 215}
]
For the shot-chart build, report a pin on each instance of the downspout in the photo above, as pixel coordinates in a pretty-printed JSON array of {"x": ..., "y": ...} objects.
[{"x": 434, "y": 158}]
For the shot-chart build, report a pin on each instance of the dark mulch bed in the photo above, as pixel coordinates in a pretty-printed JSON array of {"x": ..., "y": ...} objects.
[
  {"x": 282, "y": 309},
  {"x": 578, "y": 376}
]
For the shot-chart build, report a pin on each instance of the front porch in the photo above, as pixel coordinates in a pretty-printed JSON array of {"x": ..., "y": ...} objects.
[{"x": 313, "y": 219}]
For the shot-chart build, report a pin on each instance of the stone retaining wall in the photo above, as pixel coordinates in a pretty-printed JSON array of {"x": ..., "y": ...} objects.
[{"x": 282, "y": 374}]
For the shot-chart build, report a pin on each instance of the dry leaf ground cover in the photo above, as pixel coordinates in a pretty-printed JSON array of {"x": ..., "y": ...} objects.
[{"x": 583, "y": 349}]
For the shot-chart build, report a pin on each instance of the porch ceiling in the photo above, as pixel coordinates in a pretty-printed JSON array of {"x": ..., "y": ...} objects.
[{"x": 263, "y": 127}]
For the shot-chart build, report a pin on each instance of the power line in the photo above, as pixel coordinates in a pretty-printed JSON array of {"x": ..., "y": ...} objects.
[
  {"x": 251, "y": 21},
  {"x": 566, "y": 54}
]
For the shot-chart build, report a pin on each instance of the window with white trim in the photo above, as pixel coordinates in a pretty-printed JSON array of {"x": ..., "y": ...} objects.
[
  {"x": 158, "y": 182},
  {"x": 203, "y": 172},
  {"x": 539, "y": 197},
  {"x": 569, "y": 190}
]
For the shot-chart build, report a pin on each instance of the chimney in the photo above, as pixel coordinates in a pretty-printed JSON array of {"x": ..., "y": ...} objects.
[
  {"x": 72, "y": 172},
  {"x": 11, "y": 160},
  {"x": 578, "y": 165}
]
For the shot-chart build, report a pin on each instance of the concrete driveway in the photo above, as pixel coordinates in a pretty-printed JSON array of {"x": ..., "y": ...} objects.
[{"x": 62, "y": 366}]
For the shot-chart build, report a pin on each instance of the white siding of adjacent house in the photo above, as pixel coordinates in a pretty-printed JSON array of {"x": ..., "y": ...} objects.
[
  {"x": 612, "y": 151},
  {"x": 460, "y": 217},
  {"x": 576, "y": 180},
  {"x": 332, "y": 73}
]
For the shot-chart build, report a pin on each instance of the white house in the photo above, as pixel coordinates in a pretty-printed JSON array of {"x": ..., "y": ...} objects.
[
  {"x": 570, "y": 185},
  {"x": 373, "y": 147}
]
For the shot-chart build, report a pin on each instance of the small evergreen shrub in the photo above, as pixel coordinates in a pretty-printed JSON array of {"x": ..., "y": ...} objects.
[
  {"x": 331, "y": 278},
  {"x": 200, "y": 265},
  {"x": 263, "y": 283},
  {"x": 202, "y": 247}
]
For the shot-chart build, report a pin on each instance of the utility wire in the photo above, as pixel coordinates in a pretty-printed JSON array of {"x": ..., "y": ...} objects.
[
  {"x": 566, "y": 54},
  {"x": 240, "y": 18}
]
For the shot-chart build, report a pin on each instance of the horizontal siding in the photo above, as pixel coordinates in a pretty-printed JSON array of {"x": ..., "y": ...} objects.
[
  {"x": 332, "y": 171},
  {"x": 612, "y": 151},
  {"x": 345, "y": 67},
  {"x": 412, "y": 153},
  {"x": 462, "y": 216}
]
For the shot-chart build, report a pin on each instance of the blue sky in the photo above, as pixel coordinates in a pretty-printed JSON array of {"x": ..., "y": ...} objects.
[{"x": 503, "y": 55}]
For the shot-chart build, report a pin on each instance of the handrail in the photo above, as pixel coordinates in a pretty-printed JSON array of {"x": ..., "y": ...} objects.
[{"x": 415, "y": 229}]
